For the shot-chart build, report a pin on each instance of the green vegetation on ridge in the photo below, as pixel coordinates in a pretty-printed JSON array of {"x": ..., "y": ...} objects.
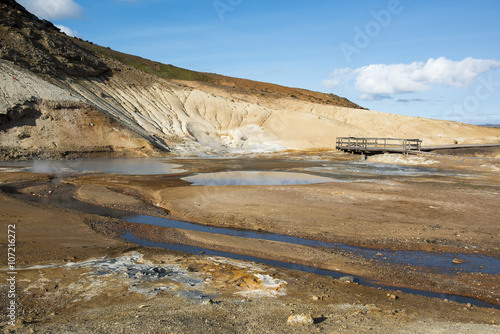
[
  {"x": 166, "y": 71},
  {"x": 178, "y": 73}
]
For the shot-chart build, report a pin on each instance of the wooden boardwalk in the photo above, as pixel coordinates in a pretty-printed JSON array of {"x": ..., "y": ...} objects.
[
  {"x": 394, "y": 145},
  {"x": 378, "y": 145},
  {"x": 456, "y": 146}
]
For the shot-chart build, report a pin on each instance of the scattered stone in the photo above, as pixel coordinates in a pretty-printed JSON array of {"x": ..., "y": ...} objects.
[
  {"x": 142, "y": 306},
  {"x": 392, "y": 296},
  {"x": 347, "y": 279},
  {"x": 208, "y": 302},
  {"x": 300, "y": 320},
  {"x": 316, "y": 298},
  {"x": 457, "y": 261}
]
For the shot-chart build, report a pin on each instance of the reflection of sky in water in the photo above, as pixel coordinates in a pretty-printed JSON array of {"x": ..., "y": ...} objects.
[
  {"x": 335, "y": 274},
  {"x": 382, "y": 169},
  {"x": 438, "y": 262},
  {"x": 254, "y": 178},
  {"x": 329, "y": 171},
  {"x": 130, "y": 166},
  {"x": 360, "y": 169}
]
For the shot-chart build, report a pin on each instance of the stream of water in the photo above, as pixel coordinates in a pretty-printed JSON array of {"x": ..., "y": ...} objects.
[
  {"x": 300, "y": 173},
  {"x": 334, "y": 274},
  {"x": 436, "y": 262}
]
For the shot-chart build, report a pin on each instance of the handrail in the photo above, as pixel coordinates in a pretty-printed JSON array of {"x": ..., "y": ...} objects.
[{"x": 378, "y": 144}]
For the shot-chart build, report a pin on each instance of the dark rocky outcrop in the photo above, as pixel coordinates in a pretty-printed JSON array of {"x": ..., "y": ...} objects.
[{"x": 40, "y": 47}]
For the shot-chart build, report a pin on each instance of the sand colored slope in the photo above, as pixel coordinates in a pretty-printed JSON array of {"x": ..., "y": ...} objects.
[
  {"x": 20, "y": 85},
  {"x": 195, "y": 118},
  {"x": 172, "y": 108},
  {"x": 40, "y": 119},
  {"x": 203, "y": 118}
]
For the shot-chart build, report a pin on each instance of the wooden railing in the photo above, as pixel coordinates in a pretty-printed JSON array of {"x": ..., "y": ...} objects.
[{"x": 369, "y": 145}]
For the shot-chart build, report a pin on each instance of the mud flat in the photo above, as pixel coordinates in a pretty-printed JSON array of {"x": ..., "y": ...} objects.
[{"x": 76, "y": 274}]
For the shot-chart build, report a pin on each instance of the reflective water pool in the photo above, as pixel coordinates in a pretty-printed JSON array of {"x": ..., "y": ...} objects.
[
  {"x": 239, "y": 171},
  {"x": 355, "y": 170},
  {"x": 242, "y": 178},
  {"x": 128, "y": 166}
]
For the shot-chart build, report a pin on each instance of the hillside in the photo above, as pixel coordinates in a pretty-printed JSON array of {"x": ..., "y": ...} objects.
[
  {"x": 62, "y": 96},
  {"x": 210, "y": 79}
]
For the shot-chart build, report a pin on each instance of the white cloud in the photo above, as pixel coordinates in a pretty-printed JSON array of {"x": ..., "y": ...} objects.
[
  {"x": 338, "y": 75},
  {"x": 53, "y": 9},
  {"x": 68, "y": 31},
  {"x": 419, "y": 76},
  {"x": 389, "y": 79},
  {"x": 384, "y": 80}
]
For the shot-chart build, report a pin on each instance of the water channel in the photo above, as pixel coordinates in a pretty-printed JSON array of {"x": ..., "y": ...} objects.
[{"x": 299, "y": 173}]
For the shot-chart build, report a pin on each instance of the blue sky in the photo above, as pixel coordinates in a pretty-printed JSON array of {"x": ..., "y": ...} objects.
[{"x": 436, "y": 59}]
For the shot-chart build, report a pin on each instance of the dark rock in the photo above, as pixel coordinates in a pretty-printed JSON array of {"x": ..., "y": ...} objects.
[{"x": 41, "y": 47}]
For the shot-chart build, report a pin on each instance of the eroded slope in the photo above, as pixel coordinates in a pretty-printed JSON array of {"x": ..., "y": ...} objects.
[{"x": 51, "y": 82}]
